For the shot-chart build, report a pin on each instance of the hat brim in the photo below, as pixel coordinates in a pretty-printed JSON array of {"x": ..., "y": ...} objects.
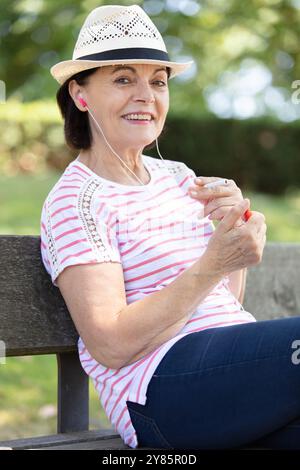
[{"x": 62, "y": 71}]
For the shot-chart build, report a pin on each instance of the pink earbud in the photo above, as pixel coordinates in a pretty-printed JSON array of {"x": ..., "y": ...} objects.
[{"x": 82, "y": 101}]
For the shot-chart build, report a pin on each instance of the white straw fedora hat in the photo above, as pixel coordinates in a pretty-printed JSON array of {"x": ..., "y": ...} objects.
[{"x": 115, "y": 34}]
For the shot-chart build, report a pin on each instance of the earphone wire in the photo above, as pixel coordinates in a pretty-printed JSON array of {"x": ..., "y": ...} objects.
[{"x": 99, "y": 128}]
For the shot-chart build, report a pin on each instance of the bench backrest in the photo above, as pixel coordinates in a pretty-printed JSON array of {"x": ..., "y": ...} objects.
[{"x": 34, "y": 318}]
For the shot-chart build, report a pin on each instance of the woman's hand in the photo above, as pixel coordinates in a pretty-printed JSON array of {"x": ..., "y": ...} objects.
[
  {"x": 232, "y": 247},
  {"x": 217, "y": 201}
]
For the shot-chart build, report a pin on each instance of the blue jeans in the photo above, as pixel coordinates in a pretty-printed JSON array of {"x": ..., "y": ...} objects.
[{"x": 228, "y": 387}]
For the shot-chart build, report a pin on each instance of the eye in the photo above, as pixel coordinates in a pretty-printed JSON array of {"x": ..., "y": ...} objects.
[
  {"x": 120, "y": 80},
  {"x": 162, "y": 82}
]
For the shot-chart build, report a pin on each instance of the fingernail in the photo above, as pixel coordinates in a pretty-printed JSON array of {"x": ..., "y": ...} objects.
[{"x": 197, "y": 180}]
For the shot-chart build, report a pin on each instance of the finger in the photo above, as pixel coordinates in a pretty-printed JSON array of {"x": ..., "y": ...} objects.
[
  {"x": 230, "y": 219},
  {"x": 262, "y": 231},
  {"x": 256, "y": 220},
  {"x": 221, "y": 205},
  {"x": 216, "y": 192},
  {"x": 202, "y": 180}
]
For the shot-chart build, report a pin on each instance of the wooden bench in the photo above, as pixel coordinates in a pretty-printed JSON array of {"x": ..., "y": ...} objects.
[{"x": 34, "y": 320}]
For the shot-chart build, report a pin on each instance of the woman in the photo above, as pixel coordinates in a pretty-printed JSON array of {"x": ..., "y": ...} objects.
[{"x": 154, "y": 289}]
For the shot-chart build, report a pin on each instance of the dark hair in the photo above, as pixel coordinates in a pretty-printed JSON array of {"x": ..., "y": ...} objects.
[{"x": 77, "y": 129}]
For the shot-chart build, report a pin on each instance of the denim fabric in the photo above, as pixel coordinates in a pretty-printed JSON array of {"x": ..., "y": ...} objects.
[{"x": 227, "y": 387}]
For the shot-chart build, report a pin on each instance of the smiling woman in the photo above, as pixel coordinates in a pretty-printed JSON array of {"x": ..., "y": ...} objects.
[{"x": 145, "y": 278}]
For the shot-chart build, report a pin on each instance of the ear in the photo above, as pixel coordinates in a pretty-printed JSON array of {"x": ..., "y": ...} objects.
[{"x": 75, "y": 93}]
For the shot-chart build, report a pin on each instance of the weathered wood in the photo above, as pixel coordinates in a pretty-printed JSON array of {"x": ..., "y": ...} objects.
[
  {"x": 33, "y": 316},
  {"x": 107, "y": 438},
  {"x": 273, "y": 286}
]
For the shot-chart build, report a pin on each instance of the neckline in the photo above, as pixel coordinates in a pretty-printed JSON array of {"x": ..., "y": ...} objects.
[{"x": 125, "y": 186}]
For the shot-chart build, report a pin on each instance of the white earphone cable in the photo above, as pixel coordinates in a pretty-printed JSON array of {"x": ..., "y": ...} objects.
[{"x": 99, "y": 128}]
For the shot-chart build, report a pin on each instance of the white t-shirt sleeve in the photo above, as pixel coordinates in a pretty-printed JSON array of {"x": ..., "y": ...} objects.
[{"x": 73, "y": 234}]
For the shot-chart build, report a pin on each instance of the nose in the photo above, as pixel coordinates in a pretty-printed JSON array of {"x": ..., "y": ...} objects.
[{"x": 144, "y": 92}]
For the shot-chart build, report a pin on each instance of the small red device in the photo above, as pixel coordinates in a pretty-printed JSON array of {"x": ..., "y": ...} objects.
[
  {"x": 82, "y": 101},
  {"x": 247, "y": 214}
]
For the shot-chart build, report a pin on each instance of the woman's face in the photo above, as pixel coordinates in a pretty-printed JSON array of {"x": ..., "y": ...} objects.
[{"x": 114, "y": 91}]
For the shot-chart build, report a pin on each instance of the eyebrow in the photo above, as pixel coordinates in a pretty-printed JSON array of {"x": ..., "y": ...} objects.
[{"x": 126, "y": 67}]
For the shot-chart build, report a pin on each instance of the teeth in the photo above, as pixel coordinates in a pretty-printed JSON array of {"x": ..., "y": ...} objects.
[{"x": 142, "y": 117}]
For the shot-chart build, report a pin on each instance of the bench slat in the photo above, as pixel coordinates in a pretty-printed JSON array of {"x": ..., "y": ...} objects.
[
  {"x": 273, "y": 286},
  {"x": 106, "y": 437},
  {"x": 34, "y": 317}
]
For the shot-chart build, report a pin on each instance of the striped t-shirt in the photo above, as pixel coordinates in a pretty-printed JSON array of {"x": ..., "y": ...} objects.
[{"x": 156, "y": 231}]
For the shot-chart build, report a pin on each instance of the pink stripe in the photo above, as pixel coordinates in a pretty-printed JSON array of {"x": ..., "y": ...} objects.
[
  {"x": 65, "y": 187},
  {"x": 127, "y": 424},
  {"x": 161, "y": 281},
  {"x": 76, "y": 173},
  {"x": 105, "y": 372},
  {"x": 79, "y": 240},
  {"x": 81, "y": 170},
  {"x": 136, "y": 213},
  {"x": 100, "y": 208},
  {"x": 132, "y": 192},
  {"x": 104, "y": 383},
  {"x": 184, "y": 180},
  {"x": 163, "y": 255},
  {"x": 121, "y": 416},
  {"x": 211, "y": 307},
  {"x": 119, "y": 399},
  {"x": 164, "y": 268},
  {"x": 190, "y": 205},
  {"x": 132, "y": 369},
  {"x": 202, "y": 317},
  {"x": 86, "y": 360},
  {"x": 214, "y": 325},
  {"x": 68, "y": 232},
  {"x": 75, "y": 255},
  {"x": 70, "y": 206},
  {"x": 94, "y": 368},
  {"x": 67, "y": 219},
  {"x": 131, "y": 439},
  {"x": 160, "y": 227},
  {"x": 62, "y": 197},
  {"x": 44, "y": 227},
  {"x": 155, "y": 245},
  {"x": 46, "y": 261},
  {"x": 67, "y": 180}
]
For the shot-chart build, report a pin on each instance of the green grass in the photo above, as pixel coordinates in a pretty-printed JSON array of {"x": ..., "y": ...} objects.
[
  {"x": 28, "y": 384},
  {"x": 28, "y": 398}
]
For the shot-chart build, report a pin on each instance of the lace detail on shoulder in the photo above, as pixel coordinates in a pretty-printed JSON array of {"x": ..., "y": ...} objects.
[
  {"x": 93, "y": 245},
  {"x": 85, "y": 213},
  {"x": 51, "y": 245}
]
